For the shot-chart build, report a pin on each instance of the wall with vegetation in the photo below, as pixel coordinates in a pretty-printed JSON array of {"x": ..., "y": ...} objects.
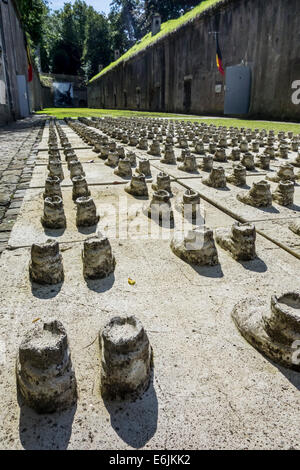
[{"x": 178, "y": 72}]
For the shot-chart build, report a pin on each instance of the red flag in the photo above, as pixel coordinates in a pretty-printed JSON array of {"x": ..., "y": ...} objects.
[
  {"x": 30, "y": 69},
  {"x": 219, "y": 58}
]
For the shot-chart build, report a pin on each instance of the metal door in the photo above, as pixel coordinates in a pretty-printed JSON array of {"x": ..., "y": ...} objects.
[
  {"x": 238, "y": 90},
  {"x": 23, "y": 98}
]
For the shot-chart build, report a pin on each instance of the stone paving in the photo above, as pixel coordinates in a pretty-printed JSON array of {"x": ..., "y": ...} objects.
[{"x": 18, "y": 154}]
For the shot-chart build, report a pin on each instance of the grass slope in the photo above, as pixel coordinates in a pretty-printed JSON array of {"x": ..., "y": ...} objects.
[
  {"x": 166, "y": 28},
  {"x": 60, "y": 113}
]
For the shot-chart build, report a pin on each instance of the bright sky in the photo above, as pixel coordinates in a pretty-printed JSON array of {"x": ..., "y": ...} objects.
[{"x": 99, "y": 5}]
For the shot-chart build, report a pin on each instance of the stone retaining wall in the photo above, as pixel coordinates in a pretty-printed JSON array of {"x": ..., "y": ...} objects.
[{"x": 260, "y": 34}]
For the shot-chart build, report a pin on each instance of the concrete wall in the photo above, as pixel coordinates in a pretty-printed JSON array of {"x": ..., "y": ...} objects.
[
  {"x": 5, "y": 96},
  {"x": 263, "y": 33},
  {"x": 13, "y": 62},
  {"x": 47, "y": 95},
  {"x": 80, "y": 98}
]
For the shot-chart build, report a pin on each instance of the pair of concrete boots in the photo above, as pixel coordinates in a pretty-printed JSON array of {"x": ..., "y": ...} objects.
[
  {"x": 198, "y": 246},
  {"x": 46, "y": 266},
  {"x": 45, "y": 374}
]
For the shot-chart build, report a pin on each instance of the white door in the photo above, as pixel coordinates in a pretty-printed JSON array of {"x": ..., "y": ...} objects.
[
  {"x": 238, "y": 90},
  {"x": 23, "y": 98}
]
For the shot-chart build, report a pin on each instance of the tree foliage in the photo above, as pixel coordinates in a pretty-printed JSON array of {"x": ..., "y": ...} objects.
[
  {"x": 75, "y": 40},
  {"x": 168, "y": 9},
  {"x": 126, "y": 19},
  {"x": 33, "y": 13},
  {"x": 97, "y": 45}
]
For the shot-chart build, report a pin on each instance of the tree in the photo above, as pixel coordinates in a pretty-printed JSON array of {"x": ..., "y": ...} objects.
[
  {"x": 97, "y": 46},
  {"x": 69, "y": 49},
  {"x": 168, "y": 9},
  {"x": 33, "y": 13},
  {"x": 126, "y": 18},
  {"x": 51, "y": 37}
]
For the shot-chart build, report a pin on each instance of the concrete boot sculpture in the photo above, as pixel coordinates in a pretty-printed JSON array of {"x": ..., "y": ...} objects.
[
  {"x": 86, "y": 215},
  {"x": 197, "y": 247},
  {"x": 137, "y": 185},
  {"x": 238, "y": 175},
  {"x": 160, "y": 208},
  {"x": 189, "y": 164},
  {"x": 45, "y": 375},
  {"x": 220, "y": 155},
  {"x": 126, "y": 358},
  {"x": 98, "y": 260},
  {"x": 76, "y": 169},
  {"x": 52, "y": 187},
  {"x": 284, "y": 173},
  {"x": 263, "y": 162},
  {"x": 216, "y": 178},
  {"x": 124, "y": 168},
  {"x": 258, "y": 196},
  {"x": 155, "y": 148},
  {"x": 169, "y": 155},
  {"x": 54, "y": 216},
  {"x": 275, "y": 330},
  {"x": 46, "y": 263},
  {"x": 207, "y": 163},
  {"x": 284, "y": 193},
  {"x": 112, "y": 160},
  {"x": 247, "y": 161},
  {"x": 239, "y": 241},
  {"x": 190, "y": 204},
  {"x": 235, "y": 154},
  {"x": 132, "y": 158},
  {"x": 55, "y": 169},
  {"x": 80, "y": 188},
  {"x": 144, "y": 167},
  {"x": 163, "y": 181}
]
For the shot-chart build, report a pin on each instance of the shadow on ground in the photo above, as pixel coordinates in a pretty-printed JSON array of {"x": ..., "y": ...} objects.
[
  {"x": 47, "y": 431},
  {"x": 55, "y": 233},
  {"x": 45, "y": 291},
  {"x": 208, "y": 271},
  {"x": 92, "y": 230},
  {"x": 292, "y": 376},
  {"x": 256, "y": 265},
  {"x": 101, "y": 285},
  {"x": 135, "y": 422}
]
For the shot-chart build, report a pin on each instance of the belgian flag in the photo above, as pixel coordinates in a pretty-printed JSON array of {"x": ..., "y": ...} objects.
[{"x": 219, "y": 57}]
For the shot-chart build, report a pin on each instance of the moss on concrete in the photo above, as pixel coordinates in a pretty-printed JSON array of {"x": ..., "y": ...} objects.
[{"x": 46, "y": 81}]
